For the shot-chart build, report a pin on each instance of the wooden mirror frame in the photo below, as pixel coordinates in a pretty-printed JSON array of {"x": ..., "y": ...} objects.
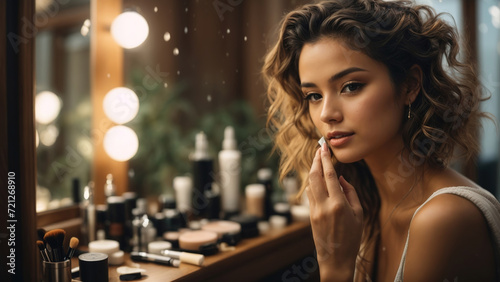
[{"x": 17, "y": 137}]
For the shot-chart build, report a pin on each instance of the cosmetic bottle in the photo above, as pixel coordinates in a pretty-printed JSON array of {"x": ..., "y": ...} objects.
[
  {"x": 291, "y": 187},
  {"x": 173, "y": 218},
  {"x": 116, "y": 220},
  {"x": 101, "y": 220},
  {"x": 203, "y": 175},
  {"x": 255, "y": 200},
  {"x": 75, "y": 185},
  {"x": 183, "y": 187},
  {"x": 144, "y": 232},
  {"x": 265, "y": 177},
  {"x": 88, "y": 214},
  {"x": 230, "y": 173},
  {"x": 167, "y": 202},
  {"x": 130, "y": 204},
  {"x": 109, "y": 187},
  {"x": 212, "y": 210}
]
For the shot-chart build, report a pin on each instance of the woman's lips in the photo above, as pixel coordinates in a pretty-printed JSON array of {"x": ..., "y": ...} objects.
[{"x": 339, "y": 139}]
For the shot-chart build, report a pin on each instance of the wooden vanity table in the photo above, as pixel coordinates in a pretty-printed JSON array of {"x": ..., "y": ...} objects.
[{"x": 252, "y": 259}]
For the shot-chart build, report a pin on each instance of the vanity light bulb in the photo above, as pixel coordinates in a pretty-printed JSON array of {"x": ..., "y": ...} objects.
[
  {"x": 37, "y": 138},
  {"x": 121, "y": 143},
  {"x": 121, "y": 105},
  {"x": 47, "y": 107},
  {"x": 129, "y": 29}
]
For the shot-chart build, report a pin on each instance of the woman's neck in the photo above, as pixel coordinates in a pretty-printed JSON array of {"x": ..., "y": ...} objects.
[{"x": 397, "y": 177}]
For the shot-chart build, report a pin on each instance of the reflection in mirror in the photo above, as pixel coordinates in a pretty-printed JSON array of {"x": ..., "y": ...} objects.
[
  {"x": 62, "y": 101},
  {"x": 197, "y": 70}
]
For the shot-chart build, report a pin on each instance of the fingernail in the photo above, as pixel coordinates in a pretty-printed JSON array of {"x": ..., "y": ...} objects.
[{"x": 324, "y": 147}]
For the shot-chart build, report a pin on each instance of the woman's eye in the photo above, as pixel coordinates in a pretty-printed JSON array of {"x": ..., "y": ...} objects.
[
  {"x": 313, "y": 97},
  {"x": 352, "y": 87}
]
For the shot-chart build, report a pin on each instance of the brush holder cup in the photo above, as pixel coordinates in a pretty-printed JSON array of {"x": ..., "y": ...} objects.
[{"x": 56, "y": 271}]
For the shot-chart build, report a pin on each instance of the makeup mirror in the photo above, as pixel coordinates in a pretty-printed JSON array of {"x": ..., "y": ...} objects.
[
  {"x": 62, "y": 99},
  {"x": 197, "y": 70}
]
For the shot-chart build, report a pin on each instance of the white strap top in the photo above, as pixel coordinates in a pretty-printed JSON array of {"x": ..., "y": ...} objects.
[{"x": 484, "y": 200}]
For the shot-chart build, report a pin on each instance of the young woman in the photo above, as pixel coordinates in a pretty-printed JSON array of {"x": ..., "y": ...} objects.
[{"x": 382, "y": 82}]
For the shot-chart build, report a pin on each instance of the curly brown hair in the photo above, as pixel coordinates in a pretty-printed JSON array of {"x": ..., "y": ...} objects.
[{"x": 400, "y": 34}]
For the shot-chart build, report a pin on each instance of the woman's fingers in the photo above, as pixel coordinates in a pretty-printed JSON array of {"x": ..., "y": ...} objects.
[
  {"x": 331, "y": 179},
  {"x": 312, "y": 201},
  {"x": 351, "y": 196},
  {"x": 316, "y": 181}
]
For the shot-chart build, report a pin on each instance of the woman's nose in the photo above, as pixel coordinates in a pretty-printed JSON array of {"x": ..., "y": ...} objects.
[{"x": 331, "y": 111}]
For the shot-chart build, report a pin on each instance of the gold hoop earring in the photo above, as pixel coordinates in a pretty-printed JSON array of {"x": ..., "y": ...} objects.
[{"x": 409, "y": 110}]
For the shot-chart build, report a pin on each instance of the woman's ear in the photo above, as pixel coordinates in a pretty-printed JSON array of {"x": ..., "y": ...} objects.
[{"x": 413, "y": 83}]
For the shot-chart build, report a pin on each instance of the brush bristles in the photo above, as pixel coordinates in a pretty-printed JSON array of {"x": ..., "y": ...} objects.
[
  {"x": 55, "y": 239},
  {"x": 41, "y": 233},
  {"x": 40, "y": 245},
  {"x": 73, "y": 243}
]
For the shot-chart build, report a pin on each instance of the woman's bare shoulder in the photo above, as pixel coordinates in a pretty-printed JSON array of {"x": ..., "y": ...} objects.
[{"x": 449, "y": 238}]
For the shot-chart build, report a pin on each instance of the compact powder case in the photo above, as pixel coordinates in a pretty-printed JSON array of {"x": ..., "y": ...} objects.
[{"x": 228, "y": 231}]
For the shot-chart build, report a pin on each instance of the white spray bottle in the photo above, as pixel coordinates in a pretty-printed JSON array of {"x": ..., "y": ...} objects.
[{"x": 230, "y": 172}]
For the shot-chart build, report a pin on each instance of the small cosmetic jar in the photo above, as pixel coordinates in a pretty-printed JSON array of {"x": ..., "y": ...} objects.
[
  {"x": 172, "y": 237},
  {"x": 93, "y": 267},
  {"x": 157, "y": 246},
  {"x": 283, "y": 209},
  {"x": 110, "y": 248},
  {"x": 204, "y": 242},
  {"x": 277, "y": 221},
  {"x": 300, "y": 213},
  {"x": 249, "y": 227},
  {"x": 227, "y": 231}
]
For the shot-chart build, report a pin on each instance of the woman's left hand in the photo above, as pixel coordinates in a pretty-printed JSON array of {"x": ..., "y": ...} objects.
[{"x": 336, "y": 218}]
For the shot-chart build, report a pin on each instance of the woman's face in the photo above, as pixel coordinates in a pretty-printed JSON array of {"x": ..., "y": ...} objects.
[{"x": 352, "y": 101}]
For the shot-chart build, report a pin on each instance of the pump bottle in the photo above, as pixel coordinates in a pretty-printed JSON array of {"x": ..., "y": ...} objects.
[
  {"x": 230, "y": 173},
  {"x": 203, "y": 175}
]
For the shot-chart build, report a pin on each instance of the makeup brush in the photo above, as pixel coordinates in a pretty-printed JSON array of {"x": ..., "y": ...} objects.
[
  {"x": 41, "y": 246},
  {"x": 73, "y": 244},
  {"x": 41, "y": 233},
  {"x": 55, "y": 239}
]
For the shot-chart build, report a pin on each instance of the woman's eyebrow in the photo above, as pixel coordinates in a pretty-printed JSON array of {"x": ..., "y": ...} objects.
[{"x": 334, "y": 77}]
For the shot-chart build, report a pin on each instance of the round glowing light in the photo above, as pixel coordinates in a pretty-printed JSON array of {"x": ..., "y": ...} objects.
[
  {"x": 129, "y": 29},
  {"x": 121, "y": 105},
  {"x": 167, "y": 36},
  {"x": 121, "y": 143},
  {"x": 48, "y": 136},
  {"x": 47, "y": 107}
]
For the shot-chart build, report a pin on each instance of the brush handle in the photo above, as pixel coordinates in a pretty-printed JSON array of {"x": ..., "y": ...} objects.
[
  {"x": 44, "y": 256},
  {"x": 48, "y": 254},
  {"x": 70, "y": 254},
  {"x": 58, "y": 254},
  {"x": 49, "y": 259}
]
